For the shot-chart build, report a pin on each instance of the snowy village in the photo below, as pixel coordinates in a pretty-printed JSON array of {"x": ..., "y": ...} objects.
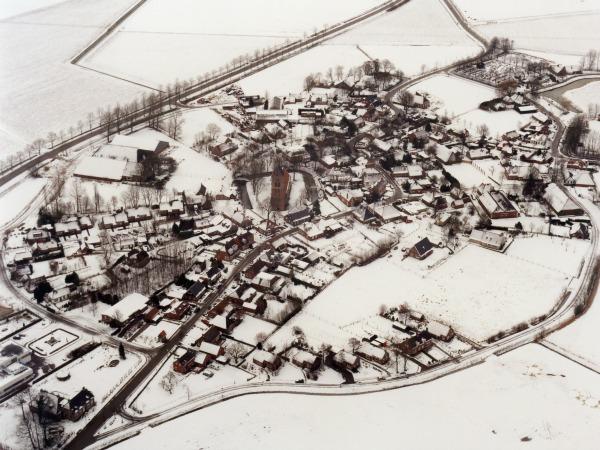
[{"x": 338, "y": 213}]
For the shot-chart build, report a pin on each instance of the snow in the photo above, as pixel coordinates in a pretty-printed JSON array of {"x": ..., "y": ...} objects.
[
  {"x": 196, "y": 120},
  {"x": 467, "y": 174},
  {"x": 464, "y": 109},
  {"x": 493, "y": 406},
  {"x": 477, "y": 291},
  {"x": 250, "y": 327},
  {"x": 288, "y": 76},
  {"x": 191, "y": 37},
  {"x": 514, "y": 9},
  {"x": 10, "y": 8},
  {"x": 15, "y": 198},
  {"x": 38, "y": 92},
  {"x": 569, "y": 34},
  {"x": 417, "y": 34},
  {"x": 193, "y": 168},
  {"x": 584, "y": 96}
]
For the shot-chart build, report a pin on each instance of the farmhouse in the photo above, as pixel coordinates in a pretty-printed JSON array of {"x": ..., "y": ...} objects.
[
  {"x": 266, "y": 360},
  {"x": 560, "y": 203},
  {"x": 121, "y": 311},
  {"x": 497, "y": 205},
  {"x": 421, "y": 249},
  {"x": 102, "y": 169},
  {"x": 145, "y": 146},
  {"x": 488, "y": 239}
]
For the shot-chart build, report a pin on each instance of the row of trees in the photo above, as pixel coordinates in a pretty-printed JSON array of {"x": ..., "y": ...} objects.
[{"x": 148, "y": 108}]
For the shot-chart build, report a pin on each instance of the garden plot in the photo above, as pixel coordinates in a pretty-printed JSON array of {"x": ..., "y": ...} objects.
[
  {"x": 155, "y": 396},
  {"x": 584, "y": 96},
  {"x": 196, "y": 121},
  {"x": 464, "y": 109},
  {"x": 467, "y": 174},
  {"x": 190, "y": 37},
  {"x": 468, "y": 408},
  {"x": 477, "y": 291},
  {"x": 250, "y": 328},
  {"x": 38, "y": 92},
  {"x": 416, "y": 36},
  {"x": 53, "y": 342}
]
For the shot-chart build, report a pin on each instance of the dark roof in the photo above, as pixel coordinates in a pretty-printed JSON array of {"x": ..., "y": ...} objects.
[
  {"x": 297, "y": 215},
  {"x": 423, "y": 246},
  {"x": 196, "y": 288},
  {"x": 80, "y": 398}
]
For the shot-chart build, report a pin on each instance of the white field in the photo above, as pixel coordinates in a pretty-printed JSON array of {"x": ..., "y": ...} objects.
[
  {"x": 10, "y": 8},
  {"x": 250, "y": 327},
  {"x": 14, "y": 199},
  {"x": 190, "y": 37},
  {"x": 477, "y": 291},
  {"x": 489, "y": 10},
  {"x": 288, "y": 76},
  {"x": 417, "y": 34},
  {"x": 580, "y": 338},
  {"x": 468, "y": 176},
  {"x": 530, "y": 392},
  {"x": 450, "y": 90},
  {"x": 42, "y": 92},
  {"x": 196, "y": 120},
  {"x": 584, "y": 96}
]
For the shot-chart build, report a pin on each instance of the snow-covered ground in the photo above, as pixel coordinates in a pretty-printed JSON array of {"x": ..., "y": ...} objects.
[
  {"x": 42, "y": 91},
  {"x": 530, "y": 398},
  {"x": 196, "y": 120},
  {"x": 10, "y": 8},
  {"x": 478, "y": 291},
  {"x": 191, "y": 37},
  {"x": 464, "y": 109},
  {"x": 15, "y": 198},
  {"x": 559, "y": 30},
  {"x": 584, "y": 96},
  {"x": 467, "y": 174},
  {"x": 288, "y": 76},
  {"x": 416, "y": 35}
]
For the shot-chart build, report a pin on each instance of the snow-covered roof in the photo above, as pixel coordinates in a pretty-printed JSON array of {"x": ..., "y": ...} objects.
[
  {"x": 105, "y": 168},
  {"x": 126, "y": 307},
  {"x": 558, "y": 200},
  {"x": 211, "y": 349},
  {"x": 136, "y": 141}
]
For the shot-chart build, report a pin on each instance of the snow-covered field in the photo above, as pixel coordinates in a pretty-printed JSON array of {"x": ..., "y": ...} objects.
[
  {"x": 467, "y": 174},
  {"x": 478, "y": 291},
  {"x": 10, "y": 8},
  {"x": 464, "y": 109},
  {"x": 584, "y": 96},
  {"x": 15, "y": 198},
  {"x": 42, "y": 91},
  {"x": 530, "y": 398},
  {"x": 196, "y": 120},
  {"x": 191, "y": 37},
  {"x": 288, "y": 76},
  {"x": 416, "y": 35},
  {"x": 560, "y": 30}
]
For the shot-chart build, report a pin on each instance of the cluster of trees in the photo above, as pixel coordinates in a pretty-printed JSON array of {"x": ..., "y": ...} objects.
[
  {"x": 502, "y": 45},
  {"x": 575, "y": 132},
  {"x": 383, "y": 71},
  {"x": 591, "y": 60},
  {"x": 203, "y": 139}
]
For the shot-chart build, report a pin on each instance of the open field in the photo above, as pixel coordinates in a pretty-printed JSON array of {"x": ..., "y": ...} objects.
[
  {"x": 477, "y": 291},
  {"x": 191, "y": 37},
  {"x": 42, "y": 91},
  {"x": 553, "y": 404},
  {"x": 420, "y": 34}
]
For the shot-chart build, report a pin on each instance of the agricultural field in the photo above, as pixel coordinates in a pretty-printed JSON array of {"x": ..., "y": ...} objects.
[
  {"x": 420, "y": 35},
  {"x": 39, "y": 93},
  {"x": 191, "y": 37},
  {"x": 464, "y": 109},
  {"x": 549, "y": 399}
]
